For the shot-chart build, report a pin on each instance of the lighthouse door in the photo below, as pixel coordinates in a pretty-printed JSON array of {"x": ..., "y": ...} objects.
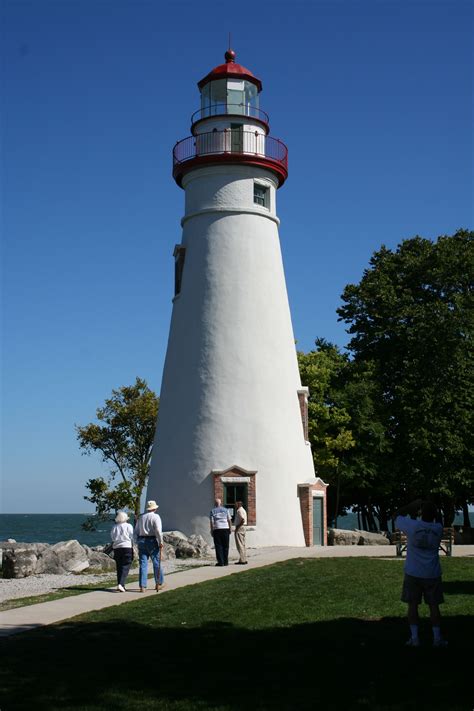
[
  {"x": 237, "y": 137},
  {"x": 317, "y": 521}
]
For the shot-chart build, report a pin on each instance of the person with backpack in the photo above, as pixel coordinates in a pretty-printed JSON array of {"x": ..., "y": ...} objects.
[{"x": 422, "y": 567}]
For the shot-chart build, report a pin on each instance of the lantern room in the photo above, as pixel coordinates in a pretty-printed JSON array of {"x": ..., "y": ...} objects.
[
  {"x": 230, "y": 127},
  {"x": 230, "y": 89}
]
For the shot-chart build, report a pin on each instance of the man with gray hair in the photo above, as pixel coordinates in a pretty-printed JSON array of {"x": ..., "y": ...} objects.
[{"x": 221, "y": 526}]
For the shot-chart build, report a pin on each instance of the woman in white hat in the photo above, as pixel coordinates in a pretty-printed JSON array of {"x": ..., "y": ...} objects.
[
  {"x": 149, "y": 537},
  {"x": 122, "y": 543}
]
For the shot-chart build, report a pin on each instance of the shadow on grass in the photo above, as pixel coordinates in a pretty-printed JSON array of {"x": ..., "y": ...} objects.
[
  {"x": 340, "y": 664},
  {"x": 458, "y": 587}
]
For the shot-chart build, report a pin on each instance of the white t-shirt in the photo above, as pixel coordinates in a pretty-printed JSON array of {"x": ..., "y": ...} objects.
[
  {"x": 422, "y": 547},
  {"x": 122, "y": 535},
  {"x": 149, "y": 524},
  {"x": 219, "y": 518},
  {"x": 240, "y": 517}
]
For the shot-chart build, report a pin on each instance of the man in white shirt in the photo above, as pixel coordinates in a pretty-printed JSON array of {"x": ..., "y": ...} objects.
[
  {"x": 149, "y": 537},
  {"x": 422, "y": 567},
  {"x": 240, "y": 521}
]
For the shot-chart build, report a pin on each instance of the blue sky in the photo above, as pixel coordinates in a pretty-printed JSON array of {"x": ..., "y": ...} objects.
[{"x": 373, "y": 99}]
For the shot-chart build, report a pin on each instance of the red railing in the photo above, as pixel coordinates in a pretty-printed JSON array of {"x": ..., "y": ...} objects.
[{"x": 231, "y": 141}]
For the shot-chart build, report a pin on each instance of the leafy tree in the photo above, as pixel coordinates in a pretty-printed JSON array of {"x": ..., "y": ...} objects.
[
  {"x": 124, "y": 439},
  {"x": 346, "y": 433},
  {"x": 411, "y": 319},
  {"x": 328, "y": 420}
]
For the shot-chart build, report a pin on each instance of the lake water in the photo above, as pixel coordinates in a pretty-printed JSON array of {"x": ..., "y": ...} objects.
[{"x": 52, "y": 528}]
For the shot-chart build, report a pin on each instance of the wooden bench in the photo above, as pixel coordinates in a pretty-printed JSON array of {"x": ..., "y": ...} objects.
[{"x": 446, "y": 544}]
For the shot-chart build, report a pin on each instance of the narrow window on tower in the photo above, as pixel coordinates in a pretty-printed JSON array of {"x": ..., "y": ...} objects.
[
  {"x": 261, "y": 194},
  {"x": 178, "y": 254}
]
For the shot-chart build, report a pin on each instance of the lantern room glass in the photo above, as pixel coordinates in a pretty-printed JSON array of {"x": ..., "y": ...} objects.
[{"x": 229, "y": 96}]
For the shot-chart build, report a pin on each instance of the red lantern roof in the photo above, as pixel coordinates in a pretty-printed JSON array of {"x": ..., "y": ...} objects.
[{"x": 232, "y": 70}]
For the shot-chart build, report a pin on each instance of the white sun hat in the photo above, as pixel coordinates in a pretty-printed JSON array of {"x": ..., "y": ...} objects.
[{"x": 151, "y": 505}]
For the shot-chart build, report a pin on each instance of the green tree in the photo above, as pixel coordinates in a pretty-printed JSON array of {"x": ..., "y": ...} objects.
[
  {"x": 411, "y": 319},
  {"x": 346, "y": 433},
  {"x": 124, "y": 439},
  {"x": 328, "y": 420}
]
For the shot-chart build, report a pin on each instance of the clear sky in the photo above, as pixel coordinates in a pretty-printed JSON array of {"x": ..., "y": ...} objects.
[{"x": 372, "y": 97}]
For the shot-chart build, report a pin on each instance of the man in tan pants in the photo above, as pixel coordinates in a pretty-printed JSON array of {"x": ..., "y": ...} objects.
[{"x": 240, "y": 522}]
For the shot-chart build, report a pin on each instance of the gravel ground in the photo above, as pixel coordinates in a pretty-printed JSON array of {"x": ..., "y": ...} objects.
[{"x": 14, "y": 588}]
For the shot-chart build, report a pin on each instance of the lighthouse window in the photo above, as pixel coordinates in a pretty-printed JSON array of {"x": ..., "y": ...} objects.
[
  {"x": 234, "y": 493},
  {"x": 179, "y": 254},
  {"x": 261, "y": 194}
]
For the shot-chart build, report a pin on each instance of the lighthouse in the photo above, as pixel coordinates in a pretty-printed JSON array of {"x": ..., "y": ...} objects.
[{"x": 233, "y": 413}]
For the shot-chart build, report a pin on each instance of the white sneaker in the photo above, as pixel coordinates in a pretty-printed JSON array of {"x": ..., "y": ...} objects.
[
  {"x": 120, "y": 588},
  {"x": 440, "y": 643},
  {"x": 412, "y": 642}
]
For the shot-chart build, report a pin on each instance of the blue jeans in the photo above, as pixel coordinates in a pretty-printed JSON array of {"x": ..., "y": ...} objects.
[{"x": 149, "y": 548}]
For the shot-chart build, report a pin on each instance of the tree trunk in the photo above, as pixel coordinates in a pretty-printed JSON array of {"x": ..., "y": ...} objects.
[
  {"x": 370, "y": 519},
  {"x": 448, "y": 513},
  {"x": 465, "y": 515},
  {"x": 382, "y": 517},
  {"x": 364, "y": 518},
  {"x": 337, "y": 496}
]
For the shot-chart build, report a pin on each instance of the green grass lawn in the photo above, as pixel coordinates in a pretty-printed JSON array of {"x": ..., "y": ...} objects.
[{"x": 305, "y": 634}]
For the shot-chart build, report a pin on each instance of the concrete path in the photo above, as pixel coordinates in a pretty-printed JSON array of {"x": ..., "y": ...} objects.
[{"x": 31, "y": 617}]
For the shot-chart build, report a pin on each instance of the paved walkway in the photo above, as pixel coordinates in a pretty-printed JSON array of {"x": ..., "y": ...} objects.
[{"x": 31, "y": 617}]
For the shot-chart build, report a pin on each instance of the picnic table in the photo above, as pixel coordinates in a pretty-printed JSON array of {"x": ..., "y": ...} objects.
[{"x": 446, "y": 544}]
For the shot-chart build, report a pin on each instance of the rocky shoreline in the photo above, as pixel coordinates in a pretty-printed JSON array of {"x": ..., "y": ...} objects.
[{"x": 37, "y": 568}]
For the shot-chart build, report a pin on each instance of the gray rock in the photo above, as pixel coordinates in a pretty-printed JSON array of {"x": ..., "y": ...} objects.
[
  {"x": 372, "y": 539},
  {"x": 184, "y": 549},
  {"x": 341, "y": 537},
  {"x": 20, "y": 559},
  {"x": 49, "y": 562},
  {"x": 168, "y": 552},
  {"x": 100, "y": 562},
  {"x": 174, "y": 537},
  {"x": 72, "y": 556},
  {"x": 203, "y": 548}
]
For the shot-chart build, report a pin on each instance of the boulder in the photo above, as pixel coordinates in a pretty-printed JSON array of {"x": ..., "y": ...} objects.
[
  {"x": 72, "y": 556},
  {"x": 50, "y": 563},
  {"x": 341, "y": 537},
  {"x": 168, "y": 552},
  {"x": 184, "y": 549},
  {"x": 20, "y": 559},
  {"x": 372, "y": 539},
  {"x": 99, "y": 561},
  {"x": 174, "y": 537},
  {"x": 200, "y": 544}
]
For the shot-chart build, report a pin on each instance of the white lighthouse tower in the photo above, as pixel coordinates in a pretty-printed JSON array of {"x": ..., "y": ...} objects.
[{"x": 232, "y": 408}]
